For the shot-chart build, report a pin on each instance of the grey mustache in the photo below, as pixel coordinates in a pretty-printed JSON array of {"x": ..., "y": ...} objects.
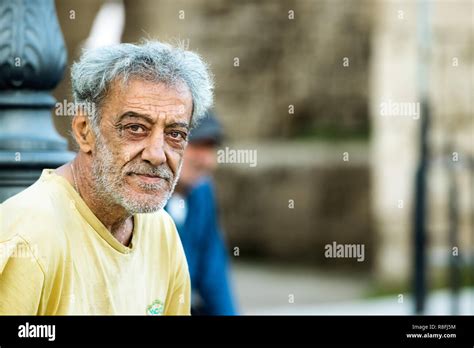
[{"x": 163, "y": 173}]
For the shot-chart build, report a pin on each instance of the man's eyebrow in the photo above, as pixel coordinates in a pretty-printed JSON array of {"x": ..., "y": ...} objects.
[
  {"x": 136, "y": 115},
  {"x": 150, "y": 120},
  {"x": 178, "y": 124}
]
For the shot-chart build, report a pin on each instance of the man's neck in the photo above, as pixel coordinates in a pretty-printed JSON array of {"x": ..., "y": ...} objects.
[{"x": 113, "y": 217}]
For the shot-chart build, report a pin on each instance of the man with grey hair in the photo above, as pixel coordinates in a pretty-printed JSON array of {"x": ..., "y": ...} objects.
[{"x": 91, "y": 237}]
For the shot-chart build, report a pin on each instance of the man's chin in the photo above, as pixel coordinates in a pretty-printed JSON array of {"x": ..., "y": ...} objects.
[
  {"x": 140, "y": 208},
  {"x": 145, "y": 210},
  {"x": 145, "y": 203}
]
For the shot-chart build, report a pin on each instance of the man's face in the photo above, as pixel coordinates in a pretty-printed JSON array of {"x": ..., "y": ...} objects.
[
  {"x": 139, "y": 151},
  {"x": 199, "y": 161}
]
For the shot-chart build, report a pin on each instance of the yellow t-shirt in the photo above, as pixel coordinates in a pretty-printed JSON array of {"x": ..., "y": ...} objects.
[{"x": 56, "y": 258}]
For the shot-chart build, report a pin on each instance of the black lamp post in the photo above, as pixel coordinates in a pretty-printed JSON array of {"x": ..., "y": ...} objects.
[{"x": 32, "y": 62}]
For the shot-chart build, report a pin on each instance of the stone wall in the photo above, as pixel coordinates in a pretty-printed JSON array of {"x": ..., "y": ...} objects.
[
  {"x": 299, "y": 197},
  {"x": 285, "y": 58},
  {"x": 397, "y": 58}
]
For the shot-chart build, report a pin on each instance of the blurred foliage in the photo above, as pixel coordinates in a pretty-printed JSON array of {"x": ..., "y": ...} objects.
[
  {"x": 334, "y": 133},
  {"x": 439, "y": 280}
]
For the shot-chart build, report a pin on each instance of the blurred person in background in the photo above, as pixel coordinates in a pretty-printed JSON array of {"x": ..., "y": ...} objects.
[{"x": 194, "y": 210}]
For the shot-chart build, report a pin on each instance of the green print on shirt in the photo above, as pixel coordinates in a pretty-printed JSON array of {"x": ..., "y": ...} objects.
[{"x": 156, "y": 308}]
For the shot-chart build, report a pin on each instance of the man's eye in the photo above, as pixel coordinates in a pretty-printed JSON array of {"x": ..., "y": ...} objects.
[
  {"x": 136, "y": 128},
  {"x": 177, "y": 135}
]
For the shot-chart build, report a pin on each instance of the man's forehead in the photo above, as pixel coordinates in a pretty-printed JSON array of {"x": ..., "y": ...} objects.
[
  {"x": 154, "y": 99},
  {"x": 135, "y": 87},
  {"x": 156, "y": 107}
]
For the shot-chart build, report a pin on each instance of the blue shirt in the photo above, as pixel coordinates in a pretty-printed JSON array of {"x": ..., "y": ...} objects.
[{"x": 205, "y": 251}]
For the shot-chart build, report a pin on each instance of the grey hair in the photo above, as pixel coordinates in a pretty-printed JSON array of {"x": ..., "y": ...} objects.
[{"x": 152, "y": 61}]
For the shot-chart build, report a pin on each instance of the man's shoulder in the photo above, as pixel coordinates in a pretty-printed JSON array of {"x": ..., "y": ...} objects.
[
  {"x": 36, "y": 196},
  {"x": 31, "y": 215}
]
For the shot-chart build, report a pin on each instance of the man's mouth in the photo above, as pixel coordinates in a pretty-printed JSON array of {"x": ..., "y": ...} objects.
[{"x": 148, "y": 178}]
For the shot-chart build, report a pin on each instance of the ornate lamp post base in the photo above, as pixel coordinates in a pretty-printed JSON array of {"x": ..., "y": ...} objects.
[{"x": 32, "y": 62}]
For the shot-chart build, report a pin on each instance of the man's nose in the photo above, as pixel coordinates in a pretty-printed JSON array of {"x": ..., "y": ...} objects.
[{"x": 154, "y": 152}]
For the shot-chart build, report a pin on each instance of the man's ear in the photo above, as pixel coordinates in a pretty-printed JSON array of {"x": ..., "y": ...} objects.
[{"x": 83, "y": 133}]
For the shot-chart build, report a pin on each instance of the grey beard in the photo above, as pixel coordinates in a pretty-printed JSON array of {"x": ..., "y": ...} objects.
[{"x": 109, "y": 183}]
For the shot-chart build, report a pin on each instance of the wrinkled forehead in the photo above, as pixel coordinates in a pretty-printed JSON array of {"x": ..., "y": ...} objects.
[{"x": 152, "y": 98}]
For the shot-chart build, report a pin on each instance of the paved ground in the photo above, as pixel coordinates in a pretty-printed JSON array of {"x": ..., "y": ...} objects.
[{"x": 273, "y": 290}]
